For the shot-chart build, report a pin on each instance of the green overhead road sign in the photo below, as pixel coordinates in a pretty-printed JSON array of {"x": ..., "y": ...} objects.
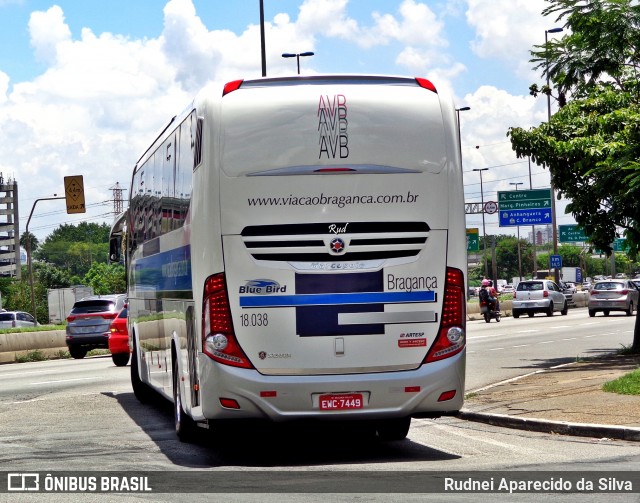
[
  {"x": 572, "y": 234},
  {"x": 524, "y": 199},
  {"x": 473, "y": 240},
  {"x": 620, "y": 245}
]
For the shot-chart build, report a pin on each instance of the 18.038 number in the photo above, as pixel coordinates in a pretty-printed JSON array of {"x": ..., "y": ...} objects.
[{"x": 254, "y": 320}]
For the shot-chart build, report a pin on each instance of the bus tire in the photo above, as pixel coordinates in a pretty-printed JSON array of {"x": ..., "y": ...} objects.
[
  {"x": 393, "y": 430},
  {"x": 142, "y": 392},
  {"x": 185, "y": 425}
]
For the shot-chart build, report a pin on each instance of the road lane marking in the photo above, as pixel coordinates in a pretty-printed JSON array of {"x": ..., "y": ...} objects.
[
  {"x": 570, "y": 339},
  {"x": 546, "y": 342},
  {"x": 527, "y": 331},
  {"x": 496, "y": 349},
  {"x": 20, "y": 374},
  {"x": 66, "y": 380},
  {"x": 522, "y": 346}
]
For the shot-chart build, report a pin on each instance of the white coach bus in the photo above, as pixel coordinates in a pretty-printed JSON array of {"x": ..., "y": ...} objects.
[{"x": 296, "y": 249}]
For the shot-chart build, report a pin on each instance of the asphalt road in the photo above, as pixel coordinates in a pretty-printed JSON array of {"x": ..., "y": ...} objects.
[
  {"x": 513, "y": 347},
  {"x": 79, "y": 415}
]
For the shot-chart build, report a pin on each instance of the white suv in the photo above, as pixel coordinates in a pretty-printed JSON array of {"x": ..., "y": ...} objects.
[{"x": 538, "y": 296}]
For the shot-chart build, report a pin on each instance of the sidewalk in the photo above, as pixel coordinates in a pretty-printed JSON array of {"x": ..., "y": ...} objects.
[{"x": 567, "y": 399}]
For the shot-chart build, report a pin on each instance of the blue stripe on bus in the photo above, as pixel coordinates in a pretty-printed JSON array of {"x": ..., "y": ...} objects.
[
  {"x": 336, "y": 299},
  {"x": 166, "y": 271}
]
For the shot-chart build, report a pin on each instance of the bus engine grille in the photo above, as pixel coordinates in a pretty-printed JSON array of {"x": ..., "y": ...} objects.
[{"x": 335, "y": 242}]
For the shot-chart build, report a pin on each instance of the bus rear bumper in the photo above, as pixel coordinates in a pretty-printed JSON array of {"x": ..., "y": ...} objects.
[{"x": 432, "y": 390}]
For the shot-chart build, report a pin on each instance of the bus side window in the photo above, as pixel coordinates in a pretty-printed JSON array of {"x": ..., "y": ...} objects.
[{"x": 184, "y": 171}]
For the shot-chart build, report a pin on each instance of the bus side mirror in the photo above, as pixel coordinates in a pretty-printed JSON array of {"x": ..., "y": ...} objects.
[{"x": 115, "y": 247}]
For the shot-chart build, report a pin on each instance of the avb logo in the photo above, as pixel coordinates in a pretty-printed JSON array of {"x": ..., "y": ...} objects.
[{"x": 262, "y": 287}]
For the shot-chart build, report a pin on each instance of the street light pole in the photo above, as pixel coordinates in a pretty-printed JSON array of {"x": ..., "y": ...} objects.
[
  {"x": 554, "y": 230},
  {"x": 518, "y": 227},
  {"x": 263, "y": 56},
  {"x": 533, "y": 232},
  {"x": 484, "y": 230},
  {"x": 297, "y": 56},
  {"x": 458, "y": 110}
]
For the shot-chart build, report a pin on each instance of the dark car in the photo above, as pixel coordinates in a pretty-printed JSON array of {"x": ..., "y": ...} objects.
[
  {"x": 88, "y": 323},
  {"x": 119, "y": 339}
]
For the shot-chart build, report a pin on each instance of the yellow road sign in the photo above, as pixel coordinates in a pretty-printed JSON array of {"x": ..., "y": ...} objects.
[{"x": 74, "y": 194}]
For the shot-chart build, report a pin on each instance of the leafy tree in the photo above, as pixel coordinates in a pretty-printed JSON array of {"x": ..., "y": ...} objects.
[
  {"x": 28, "y": 237},
  {"x": 591, "y": 147},
  {"x": 592, "y": 144},
  {"x": 51, "y": 276},
  {"x": 507, "y": 257},
  {"x": 106, "y": 278},
  {"x": 603, "y": 44},
  {"x": 76, "y": 248}
]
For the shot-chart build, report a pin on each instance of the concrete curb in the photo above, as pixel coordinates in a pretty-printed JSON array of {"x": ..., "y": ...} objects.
[
  {"x": 548, "y": 426},
  {"x": 14, "y": 344}
]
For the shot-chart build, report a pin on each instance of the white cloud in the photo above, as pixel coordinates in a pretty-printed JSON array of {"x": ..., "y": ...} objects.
[
  {"x": 508, "y": 30},
  {"x": 493, "y": 111},
  {"x": 48, "y": 30},
  {"x": 103, "y": 96},
  {"x": 4, "y": 87}
]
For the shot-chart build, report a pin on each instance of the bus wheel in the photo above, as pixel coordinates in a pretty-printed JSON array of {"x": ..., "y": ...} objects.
[
  {"x": 185, "y": 426},
  {"x": 142, "y": 392},
  {"x": 394, "y": 429}
]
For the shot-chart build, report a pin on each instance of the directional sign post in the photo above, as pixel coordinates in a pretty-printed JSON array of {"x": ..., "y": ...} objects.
[
  {"x": 620, "y": 245},
  {"x": 525, "y": 207},
  {"x": 473, "y": 241},
  {"x": 572, "y": 234}
]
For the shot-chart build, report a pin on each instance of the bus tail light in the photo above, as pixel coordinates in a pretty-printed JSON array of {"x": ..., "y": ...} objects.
[
  {"x": 229, "y": 87},
  {"x": 218, "y": 337},
  {"x": 451, "y": 338},
  {"x": 426, "y": 84}
]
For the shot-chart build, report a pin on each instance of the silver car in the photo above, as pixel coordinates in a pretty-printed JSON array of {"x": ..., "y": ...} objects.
[
  {"x": 613, "y": 295},
  {"x": 538, "y": 296},
  {"x": 16, "y": 319}
]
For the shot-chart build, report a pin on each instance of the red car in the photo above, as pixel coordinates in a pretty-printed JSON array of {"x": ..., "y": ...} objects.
[{"x": 119, "y": 339}]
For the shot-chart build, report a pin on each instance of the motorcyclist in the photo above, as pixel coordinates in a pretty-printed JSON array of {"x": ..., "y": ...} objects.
[
  {"x": 493, "y": 295},
  {"x": 488, "y": 294}
]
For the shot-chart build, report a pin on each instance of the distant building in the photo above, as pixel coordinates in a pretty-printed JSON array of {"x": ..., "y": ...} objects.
[
  {"x": 9, "y": 230},
  {"x": 543, "y": 235}
]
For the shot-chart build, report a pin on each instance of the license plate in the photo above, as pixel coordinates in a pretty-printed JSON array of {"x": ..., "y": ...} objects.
[
  {"x": 85, "y": 330},
  {"x": 341, "y": 401}
]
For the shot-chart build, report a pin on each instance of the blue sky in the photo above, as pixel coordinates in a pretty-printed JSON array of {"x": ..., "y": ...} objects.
[{"x": 84, "y": 85}]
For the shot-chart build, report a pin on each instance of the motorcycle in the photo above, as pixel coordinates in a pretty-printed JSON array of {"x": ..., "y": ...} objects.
[{"x": 490, "y": 310}]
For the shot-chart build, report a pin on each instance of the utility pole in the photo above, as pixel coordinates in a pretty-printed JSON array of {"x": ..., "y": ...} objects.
[{"x": 117, "y": 198}]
